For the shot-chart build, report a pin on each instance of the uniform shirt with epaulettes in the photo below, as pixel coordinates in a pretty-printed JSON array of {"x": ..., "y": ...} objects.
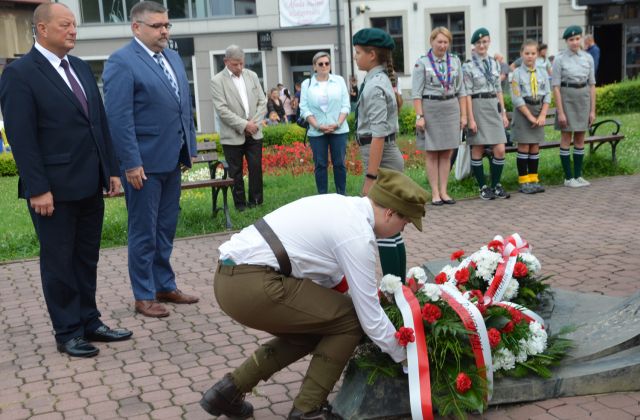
[
  {"x": 481, "y": 75},
  {"x": 425, "y": 82},
  {"x": 573, "y": 67},
  {"x": 522, "y": 86},
  {"x": 377, "y": 107}
]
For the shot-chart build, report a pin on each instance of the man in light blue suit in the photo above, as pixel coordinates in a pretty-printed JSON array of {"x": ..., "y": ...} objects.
[{"x": 148, "y": 105}]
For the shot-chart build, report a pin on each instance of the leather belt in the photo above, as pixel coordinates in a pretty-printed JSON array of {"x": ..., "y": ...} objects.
[
  {"x": 532, "y": 101},
  {"x": 573, "y": 85},
  {"x": 438, "y": 98},
  {"x": 364, "y": 140},
  {"x": 276, "y": 246},
  {"x": 483, "y": 95}
]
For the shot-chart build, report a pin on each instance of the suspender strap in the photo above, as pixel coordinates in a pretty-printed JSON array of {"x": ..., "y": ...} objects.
[{"x": 276, "y": 246}]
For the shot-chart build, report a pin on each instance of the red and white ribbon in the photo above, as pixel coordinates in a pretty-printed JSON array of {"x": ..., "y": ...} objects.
[
  {"x": 473, "y": 322},
  {"x": 417, "y": 356},
  {"x": 528, "y": 314},
  {"x": 513, "y": 246}
]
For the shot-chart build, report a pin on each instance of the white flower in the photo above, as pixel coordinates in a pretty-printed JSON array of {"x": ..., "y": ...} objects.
[
  {"x": 522, "y": 353},
  {"x": 418, "y": 274},
  {"x": 503, "y": 359},
  {"x": 450, "y": 272},
  {"x": 432, "y": 291},
  {"x": 532, "y": 263},
  {"x": 390, "y": 283},
  {"x": 486, "y": 262},
  {"x": 512, "y": 289},
  {"x": 537, "y": 342}
]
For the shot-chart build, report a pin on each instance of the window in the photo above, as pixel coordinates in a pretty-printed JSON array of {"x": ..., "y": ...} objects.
[
  {"x": 393, "y": 26},
  {"x": 252, "y": 61},
  {"x": 522, "y": 24},
  {"x": 118, "y": 11},
  {"x": 455, "y": 23},
  {"x": 633, "y": 50}
]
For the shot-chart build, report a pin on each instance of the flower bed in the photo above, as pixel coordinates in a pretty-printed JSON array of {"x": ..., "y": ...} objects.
[{"x": 462, "y": 331}]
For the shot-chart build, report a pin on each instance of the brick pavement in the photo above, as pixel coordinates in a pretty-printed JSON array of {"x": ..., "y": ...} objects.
[{"x": 586, "y": 238}]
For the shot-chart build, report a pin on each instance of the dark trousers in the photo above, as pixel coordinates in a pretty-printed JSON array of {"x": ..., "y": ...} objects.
[
  {"x": 69, "y": 252},
  {"x": 251, "y": 150},
  {"x": 153, "y": 218}
]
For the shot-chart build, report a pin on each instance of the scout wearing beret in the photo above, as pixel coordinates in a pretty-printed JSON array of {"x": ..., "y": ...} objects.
[
  {"x": 441, "y": 111},
  {"x": 531, "y": 96},
  {"x": 486, "y": 115},
  {"x": 377, "y": 124},
  {"x": 287, "y": 285},
  {"x": 574, "y": 86}
]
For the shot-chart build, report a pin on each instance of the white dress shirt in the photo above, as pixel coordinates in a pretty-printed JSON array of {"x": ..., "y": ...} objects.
[
  {"x": 242, "y": 90},
  {"x": 326, "y": 236},
  {"x": 164, "y": 59},
  {"x": 55, "y": 62}
]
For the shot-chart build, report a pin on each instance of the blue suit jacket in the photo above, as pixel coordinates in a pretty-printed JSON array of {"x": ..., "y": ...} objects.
[
  {"x": 56, "y": 146},
  {"x": 146, "y": 119}
]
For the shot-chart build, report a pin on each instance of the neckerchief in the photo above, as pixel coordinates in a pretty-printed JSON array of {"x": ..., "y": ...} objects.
[
  {"x": 533, "y": 80},
  {"x": 446, "y": 83},
  {"x": 486, "y": 71}
]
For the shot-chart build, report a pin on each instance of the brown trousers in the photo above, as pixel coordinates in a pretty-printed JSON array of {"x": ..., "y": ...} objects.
[{"x": 304, "y": 318}]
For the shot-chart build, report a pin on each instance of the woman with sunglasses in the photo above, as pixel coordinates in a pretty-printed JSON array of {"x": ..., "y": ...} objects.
[{"x": 324, "y": 103}]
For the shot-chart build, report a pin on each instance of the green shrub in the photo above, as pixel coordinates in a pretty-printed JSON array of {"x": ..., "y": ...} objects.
[
  {"x": 618, "y": 98},
  {"x": 8, "y": 165},
  {"x": 282, "y": 134},
  {"x": 407, "y": 120}
]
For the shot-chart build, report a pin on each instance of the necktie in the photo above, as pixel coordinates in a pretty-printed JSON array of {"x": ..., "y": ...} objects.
[
  {"x": 75, "y": 87},
  {"x": 358, "y": 105},
  {"x": 533, "y": 80},
  {"x": 487, "y": 67},
  {"x": 172, "y": 81},
  {"x": 441, "y": 63}
]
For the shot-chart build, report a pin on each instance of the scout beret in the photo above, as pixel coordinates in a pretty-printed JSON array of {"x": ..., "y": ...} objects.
[
  {"x": 479, "y": 34},
  {"x": 396, "y": 191},
  {"x": 572, "y": 30},
  {"x": 374, "y": 37}
]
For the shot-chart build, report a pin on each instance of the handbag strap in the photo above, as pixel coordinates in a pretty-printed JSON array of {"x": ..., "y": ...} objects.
[{"x": 276, "y": 246}]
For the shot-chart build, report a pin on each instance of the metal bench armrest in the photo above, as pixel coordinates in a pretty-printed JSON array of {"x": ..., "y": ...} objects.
[{"x": 595, "y": 126}]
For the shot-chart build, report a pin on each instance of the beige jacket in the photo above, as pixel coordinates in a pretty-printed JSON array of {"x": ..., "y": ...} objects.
[{"x": 228, "y": 105}]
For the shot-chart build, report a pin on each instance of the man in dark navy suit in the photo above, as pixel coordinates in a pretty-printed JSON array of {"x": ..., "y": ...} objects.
[
  {"x": 148, "y": 102},
  {"x": 57, "y": 128}
]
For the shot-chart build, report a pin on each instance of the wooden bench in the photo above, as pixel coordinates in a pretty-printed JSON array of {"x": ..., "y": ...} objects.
[
  {"x": 219, "y": 180},
  {"x": 593, "y": 140}
]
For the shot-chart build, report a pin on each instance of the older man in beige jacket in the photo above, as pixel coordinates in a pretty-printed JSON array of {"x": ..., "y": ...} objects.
[{"x": 240, "y": 104}]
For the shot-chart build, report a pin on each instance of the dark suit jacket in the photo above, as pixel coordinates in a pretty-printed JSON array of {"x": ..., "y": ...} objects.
[
  {"x": 56, "y": 146},
  {"x": 146, "y": 118}
]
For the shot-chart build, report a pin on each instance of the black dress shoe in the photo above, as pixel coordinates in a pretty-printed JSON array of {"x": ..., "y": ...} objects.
[
  {"x": 106, "y": 334},
  {"x": 449, "y": 201},
  {"x": 78, "y": 347},
  {"x": 437, "y": 203},
  {"x": 225, "y": 398}
]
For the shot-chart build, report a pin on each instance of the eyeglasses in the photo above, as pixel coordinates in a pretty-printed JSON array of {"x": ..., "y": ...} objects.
[
  {"x": 166, "y": 26},
  {"x": 324, "y": 64}
]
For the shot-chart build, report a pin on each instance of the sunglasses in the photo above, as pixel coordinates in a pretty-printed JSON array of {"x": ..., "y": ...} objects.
[{"x": 323, "y": 64}]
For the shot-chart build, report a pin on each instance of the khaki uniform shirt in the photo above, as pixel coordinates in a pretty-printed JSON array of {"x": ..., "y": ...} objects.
[
  {"x": 475, "y": 80},
  {"x": 424, "y": 80},
  {"x": 377, "y": 107},
  {"x": 570, "y": 67},
  {"x": 521, "y": 85}
]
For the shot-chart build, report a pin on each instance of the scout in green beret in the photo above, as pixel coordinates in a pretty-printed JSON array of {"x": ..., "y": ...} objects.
[
  {"x": 376, "y": 127},
  {"x": 574, "y": 87},
  {"x": 479, "y": 34},
  {"x": 328, "y": 243}
]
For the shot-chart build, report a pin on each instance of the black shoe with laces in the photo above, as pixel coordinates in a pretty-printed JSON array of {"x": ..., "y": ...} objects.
[
  {"x": 499, "y": 192},
  {"x": 486, "y": 193},
  {"x": 322, "y": 413},
  {"x": 225, "y": 398}
]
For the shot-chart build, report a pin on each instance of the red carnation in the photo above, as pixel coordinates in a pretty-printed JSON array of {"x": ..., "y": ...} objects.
[
  {"x": 463, "y": 383},
  {"x": 473, "y": 265},
  {"x": 441, "y": 278},
  {"x": 431, "y": 313},
  {"x": 462, "y": 275},
  {"x": 495, "y": 245},
  {"x": 520, "y": 270},
  {"x": 494, "y": 337},
  {"x": 508, "y": 327},
  {"x": 516, "y": 315},
  {"x": 405, "y": 336},
  {"x": 456, "y": 255}
]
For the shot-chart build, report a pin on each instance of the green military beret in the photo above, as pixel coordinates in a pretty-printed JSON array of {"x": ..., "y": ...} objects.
[
  {"x": 374, "y": 37},
  {"x": 479, "y": 34},
  {"x": 572, "y": 30},
  {"x": 396, "y": 191}
]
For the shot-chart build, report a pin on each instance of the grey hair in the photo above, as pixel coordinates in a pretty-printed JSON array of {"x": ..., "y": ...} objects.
[
  {"x": 145, "y": 7},
  {"x": 319, "y": 55},
  {"x": 588, "y": 37},
  {"x": 233, "y": 52}
]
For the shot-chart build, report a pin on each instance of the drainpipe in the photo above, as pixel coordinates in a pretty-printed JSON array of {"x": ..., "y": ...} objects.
[
  {"x": 350, "y": 38},
  {"x": 339, "y": 35}
]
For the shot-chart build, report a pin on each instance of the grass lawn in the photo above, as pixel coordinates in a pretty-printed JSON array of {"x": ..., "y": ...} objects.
[{"x": 18, "y": 240}]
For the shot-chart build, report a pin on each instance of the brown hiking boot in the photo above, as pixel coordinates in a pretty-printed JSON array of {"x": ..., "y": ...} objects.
[{"x": 225, "y": 398}]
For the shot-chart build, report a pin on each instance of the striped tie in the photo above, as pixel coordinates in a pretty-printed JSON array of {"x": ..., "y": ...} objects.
[{"x": 172, "y": 81}]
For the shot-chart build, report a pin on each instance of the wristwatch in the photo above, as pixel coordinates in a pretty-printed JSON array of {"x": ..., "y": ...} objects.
[
  {"x": 418, "y": 117},
  {"x": 372, "y": 176}
]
